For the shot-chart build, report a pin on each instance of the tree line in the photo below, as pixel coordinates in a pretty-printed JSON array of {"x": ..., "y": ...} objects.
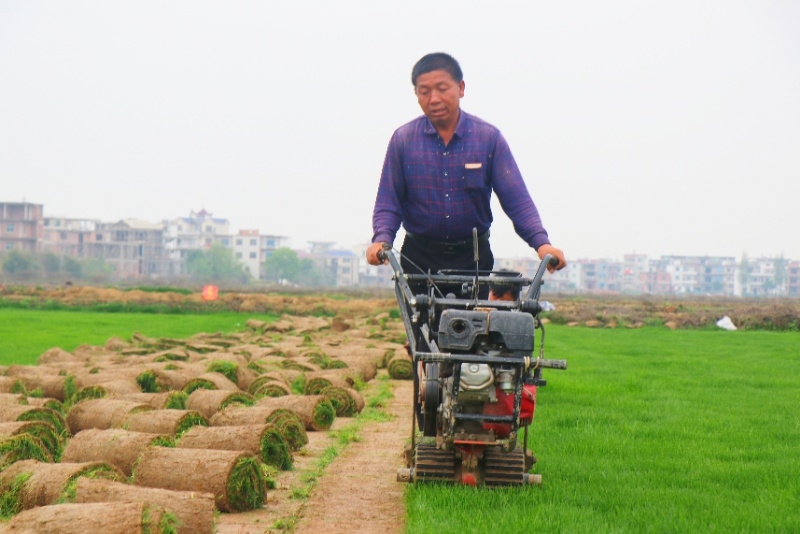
[{"x": 215, "y": 265}]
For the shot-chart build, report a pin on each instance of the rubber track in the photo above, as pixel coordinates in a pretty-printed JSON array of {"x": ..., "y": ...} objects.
[
  {"x": 504, "y": 469},
  {"x": 433, "y": 464}
]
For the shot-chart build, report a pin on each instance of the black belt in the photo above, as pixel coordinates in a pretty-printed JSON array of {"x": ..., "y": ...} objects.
[{"x": 462, "y": 244}]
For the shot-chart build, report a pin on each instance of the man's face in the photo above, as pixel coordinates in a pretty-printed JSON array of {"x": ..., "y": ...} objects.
[{"x": 438, "y": 95}]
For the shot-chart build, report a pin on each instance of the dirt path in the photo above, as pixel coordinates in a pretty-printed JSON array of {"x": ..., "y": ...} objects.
[
  {"x": 359, "y": 491},
  {"x": 356, "y": 493}
]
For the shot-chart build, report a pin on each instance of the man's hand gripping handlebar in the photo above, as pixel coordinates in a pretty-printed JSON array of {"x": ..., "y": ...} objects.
[{"x": 376, "y": 254}]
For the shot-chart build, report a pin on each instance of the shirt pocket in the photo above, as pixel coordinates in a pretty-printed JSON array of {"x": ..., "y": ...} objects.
[{"x": 474, "y": 176}]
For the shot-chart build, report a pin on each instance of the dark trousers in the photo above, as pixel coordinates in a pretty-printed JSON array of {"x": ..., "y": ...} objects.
[{"x": 422, "y": 256}]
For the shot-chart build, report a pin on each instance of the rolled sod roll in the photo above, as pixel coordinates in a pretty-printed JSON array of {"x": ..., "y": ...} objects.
[
  {"x": 255, "y": 324},
  {"x": 22, "y": 447},
  {"x": 315, "y": 411},
  {"x": 233, "y": 477},
  {"x": 170, "y": 422},
  {"x": 193, "y": 510},
  {"x": 286, "y": 421},
  {"x": 10, "y": 414},
  {"x": 50, "y": 384},
  {"x": 115, "y": 446},
  {"x": 165, "y": 400},
  {"x": 210, "y": 381},
  {"x": 245, "y": 377},
  {"x": 56, "y": 355},
  {"x": 265, "y": 364},
  {"x": 12, "y": 398},
  {"x": 85, "y": 379},
  {"x": 265, "y": 441},
  {"x": 388, "y": 354},
  {"x": 360, "y": 368},
  {"x": 11, "y": 385},
  {"x": 271, "y": 389},
  {"x": 316, "y": 382},
  {"x": 300, "y": 364},
  {"x": 29, "y": 483},
  {"x": 105, "y": 517},
  {"x": 400, "y": 367},
  {"x": 45, "y": 402},
  {"x": 113, "y": 388},
  {"x": 171, "y": 379},
  {"x": 210, "y": 401},
  {"x": 346, "y": 401},
  {"x": 44, "y": 432},
  {"x": 102, "y": 413}
]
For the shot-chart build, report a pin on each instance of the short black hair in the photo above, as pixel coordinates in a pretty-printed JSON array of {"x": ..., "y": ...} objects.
[
  {"x": 436, "y": 61},
  {"x": 500, "y": 289}
]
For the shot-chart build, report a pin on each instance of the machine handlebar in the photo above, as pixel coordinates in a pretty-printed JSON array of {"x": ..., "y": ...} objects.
[{"x": 552, "y": 364}]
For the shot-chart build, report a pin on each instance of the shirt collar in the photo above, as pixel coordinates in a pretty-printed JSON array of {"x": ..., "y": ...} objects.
[{"x": 460, "y": 125}]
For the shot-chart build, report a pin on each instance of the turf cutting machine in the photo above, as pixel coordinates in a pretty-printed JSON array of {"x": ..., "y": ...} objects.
[{"x": 475, "y": 376}]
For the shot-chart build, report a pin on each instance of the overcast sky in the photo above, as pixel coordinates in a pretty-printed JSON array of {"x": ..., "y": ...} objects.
[{"x": 648, "y": 127}]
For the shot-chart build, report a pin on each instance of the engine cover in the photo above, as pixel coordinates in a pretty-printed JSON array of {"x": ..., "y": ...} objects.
[{"x": 460, "y": 329}]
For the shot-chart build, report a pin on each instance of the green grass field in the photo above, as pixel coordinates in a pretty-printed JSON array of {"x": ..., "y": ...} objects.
[
  {"x": 649, "y": 430},
  {"x": 26, "y": 334}
]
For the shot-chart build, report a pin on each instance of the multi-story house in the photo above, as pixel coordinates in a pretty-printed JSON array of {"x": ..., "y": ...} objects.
[
  {"x": 793, "y": 279},
  {"x": 634, "y": 266},
  {"x": 682, "y": 271},
  {"x": 601, "y": 276},
  {"x": 21, "y": 226},
  {"x": 246, "y": 248},
  {"x": 134, "y": 248},
  {"x": 760, "y": 278},
  {"x": 372, "y": 275},
  {"x": 69, "y": 237},
  {"x": 198, "y": 231},
  {"x": 340, "y": 267}
]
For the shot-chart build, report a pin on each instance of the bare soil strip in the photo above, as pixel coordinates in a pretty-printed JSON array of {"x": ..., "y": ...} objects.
[{"x": 359, "y": 491}]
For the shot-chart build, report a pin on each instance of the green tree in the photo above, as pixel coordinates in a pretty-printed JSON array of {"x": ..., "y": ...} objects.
[
  {"x": 95, "y": 269},
  {"x": 216, "y": 265},
  {"x": 20, "y": 263},
  {"x": 282, "y": 264},
  {"x": 313, "y": 277},
  {"x": 73, "y": 267},
  {"x": 51, "y": 263}
]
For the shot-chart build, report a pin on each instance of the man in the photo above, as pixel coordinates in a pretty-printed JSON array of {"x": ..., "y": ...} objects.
[{"x": 438, "y": 177}]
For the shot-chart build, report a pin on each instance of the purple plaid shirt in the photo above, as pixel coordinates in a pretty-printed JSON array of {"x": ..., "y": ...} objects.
[{"x": 443, "y": 192}]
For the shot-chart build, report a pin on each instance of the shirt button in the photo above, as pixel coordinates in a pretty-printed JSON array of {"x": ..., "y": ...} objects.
[
  {"x": 445, "y": 174},
  {"x": 446, "y": 216}
]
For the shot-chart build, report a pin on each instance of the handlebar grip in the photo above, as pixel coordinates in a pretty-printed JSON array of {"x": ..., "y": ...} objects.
[
  {"x": 382, "y": 253},
  {"x": 553, "y": 364},
  {"x": 553, "y": 261}
]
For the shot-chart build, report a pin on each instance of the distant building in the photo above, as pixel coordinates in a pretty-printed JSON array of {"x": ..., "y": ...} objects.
[
  {"x": 601, "y": 276},
  {"x": 198, "y": 231},
  {"x": 793, "y": 278},
  {"x": 372, "y": 275},
  {"x": 133, "y": 247},
  {"x": 634, "y": 266},
  {"x": 21, "y": 226},
  {"x": 66, "y": 236},
  {"x": 340, "y": 267}
]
